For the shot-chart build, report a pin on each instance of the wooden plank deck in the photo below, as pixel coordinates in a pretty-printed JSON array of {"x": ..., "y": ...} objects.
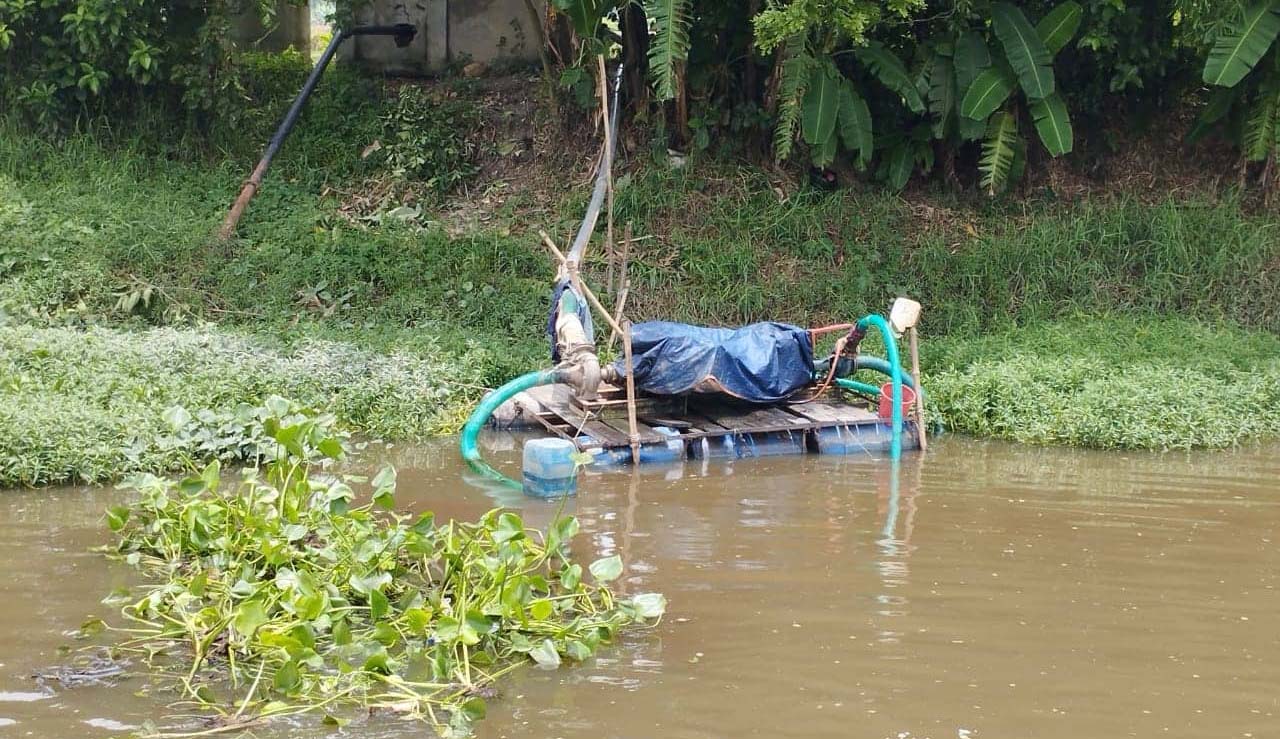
[{"x": 699, "y": 417}]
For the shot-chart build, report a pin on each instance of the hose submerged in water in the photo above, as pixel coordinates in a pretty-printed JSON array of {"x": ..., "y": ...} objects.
[
  {"x": 895, "y": 374},
  {"x": 480, "y": 416}
]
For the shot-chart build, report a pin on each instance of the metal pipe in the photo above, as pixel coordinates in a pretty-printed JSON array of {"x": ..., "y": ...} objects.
[
  {"x": 403, "y": 33},
  {"x": 602, "y": 179}
]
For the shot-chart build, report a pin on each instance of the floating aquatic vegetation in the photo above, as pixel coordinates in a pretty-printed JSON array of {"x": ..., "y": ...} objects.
[{"x": 281, "y": 594}]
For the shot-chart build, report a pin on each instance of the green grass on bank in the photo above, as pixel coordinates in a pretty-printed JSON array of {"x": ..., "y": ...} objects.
[
  {"x": 397, "y": 325},
  {"x": 1112, "y": 382},
  {"x": 90, "y": 405},
  {"x": 94, "y": 404}
]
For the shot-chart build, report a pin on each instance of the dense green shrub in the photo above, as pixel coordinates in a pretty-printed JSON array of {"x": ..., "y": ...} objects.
[
  {"x": 427, "y": 138},
  {"x": 58, "y": 55}
]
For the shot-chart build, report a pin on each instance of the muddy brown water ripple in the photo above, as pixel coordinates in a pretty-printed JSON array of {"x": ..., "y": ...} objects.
[{"x": 989, "y": 590}]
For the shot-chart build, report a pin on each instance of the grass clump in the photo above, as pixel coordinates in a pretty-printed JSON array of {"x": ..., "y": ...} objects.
[
  {"x": 1110, "y": 382},
  {"x": 281, "y": 594}
]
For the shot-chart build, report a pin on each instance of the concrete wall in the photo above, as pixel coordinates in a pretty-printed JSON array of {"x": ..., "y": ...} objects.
[{"x": 449, "y": 31}]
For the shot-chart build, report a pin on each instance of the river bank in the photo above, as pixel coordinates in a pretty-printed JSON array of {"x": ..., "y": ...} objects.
[{"x": 1112, "y": 321}]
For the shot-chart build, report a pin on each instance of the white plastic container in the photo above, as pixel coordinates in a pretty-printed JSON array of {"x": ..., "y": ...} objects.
[
  {"x": 549, "y": 470},
  {"x": 904, "y": 314}
]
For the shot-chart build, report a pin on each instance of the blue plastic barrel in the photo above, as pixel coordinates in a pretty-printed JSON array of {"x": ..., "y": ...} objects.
[
  {"x": 549, "y": 470},
  {"x": 654, "y": 452},
  {"x": 862, "y": 438},
  {"x": 771, "y": 444},
  {"x": 714, "y": 447}
]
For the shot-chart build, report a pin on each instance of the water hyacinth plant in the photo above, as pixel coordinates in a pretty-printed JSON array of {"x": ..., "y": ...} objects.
[{"x": 281, "y": 594}]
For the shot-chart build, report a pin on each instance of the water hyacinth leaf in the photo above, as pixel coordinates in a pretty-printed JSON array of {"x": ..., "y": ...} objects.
[
  {"x": 1024, "y": 49},
  {"x": 249, "y": 617},
  {"x": 117, "y": 517},
  {"x": 475, "y": 709},
  {"x": 478, "y": 624},
  {"x": 510, "y": 527},
  {"x": 385, "y": 634},
  {"x": 649, "y": 605},
  {"x": 571, "y": 576},
  {"x": 331, "y": 448},
  {"x": 418, "y": 620},
  {"x": 278, "y": 406},
  {"x": 451, "y": 629},
  {"x": 198, "y": 583},
  {"x": 384, "y": 487},
  {"x": 541, "y": 609},
  {"x": 607, "y": 568},
  {"x": 341, "y": 633},
  {"x": 176, "y": 417},
  {"x": 987, "y": 93},
  {"x": 91, "y": 627},
  {"x": 545, "y": 654},
  {"x": 288, "y": 678},
  {"x": 578, "y": 651},
  {"x": 1059, "y": 26},
  {"x": 378, "y": 661},
  {"x": 212, "y": 475},
  {"x": 368, "y": 583},
  {"x": 335, "y": 722},
  {"x": 1237, "y": 51},
  {"x": 1053, "y": 124},
  {"x": 821, "y": 102},
  {"x": 425, "y": 524},
  {"x": 205, "y": 695},
  {"x": 562, "y": 530},
  {"x": 378, "y": 604}
]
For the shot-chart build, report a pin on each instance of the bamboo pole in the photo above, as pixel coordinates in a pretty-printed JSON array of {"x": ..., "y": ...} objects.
[
  {"x": 915, "y": 380},
  {"x": 608, "y": 164},
  {"x": 632, "y": 427},
  {"x": 578, "y": 284},
  {"x": 624, "y": 284}
]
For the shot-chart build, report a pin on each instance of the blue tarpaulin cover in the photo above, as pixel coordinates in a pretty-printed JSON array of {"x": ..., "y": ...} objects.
[{"x": 760, "y": 363}]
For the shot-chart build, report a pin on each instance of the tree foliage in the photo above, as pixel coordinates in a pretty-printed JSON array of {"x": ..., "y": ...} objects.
[{"x": 57, "y": 56}]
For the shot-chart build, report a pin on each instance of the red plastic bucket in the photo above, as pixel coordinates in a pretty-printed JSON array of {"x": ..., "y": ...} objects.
[{"x": 886, "y": 400}]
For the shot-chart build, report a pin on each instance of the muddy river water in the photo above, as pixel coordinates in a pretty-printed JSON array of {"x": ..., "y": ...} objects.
[{"x": 983, "y": 590}]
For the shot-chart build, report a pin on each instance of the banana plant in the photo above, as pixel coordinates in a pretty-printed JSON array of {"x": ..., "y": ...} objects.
[
  {"x": 669, "y": 45},
  {"x": 828, "y": 108},
  {"x": 1244, "y": 64},
  {"x": 985, "y": 108}
]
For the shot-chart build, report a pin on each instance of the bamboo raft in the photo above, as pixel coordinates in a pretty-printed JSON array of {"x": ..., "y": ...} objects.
[{"x": 603, "y": 424}]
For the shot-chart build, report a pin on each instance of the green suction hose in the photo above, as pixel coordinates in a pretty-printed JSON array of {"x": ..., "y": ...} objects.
[
  {"x": 875, "y": 364},
  {"x": 480, "y": 416},
  {"x": 895, "y": 374}
]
